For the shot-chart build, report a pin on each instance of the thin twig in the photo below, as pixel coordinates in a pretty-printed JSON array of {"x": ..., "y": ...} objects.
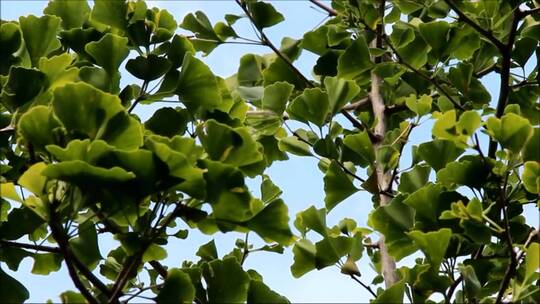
[
  {"x": 477, "y": 146},
  {"x": 245, "y": 251},
  {"x": 363, "y": 285},
  {"x": 141, "y": 290},
  {"x": 141, "y": 96}
]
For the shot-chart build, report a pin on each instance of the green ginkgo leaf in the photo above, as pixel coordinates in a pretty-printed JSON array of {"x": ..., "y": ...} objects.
[
  {"x": 393, "y": 221},
  {"x": 420, "y": 106},
  {"x": 337, "y": 186},
  {"x": 58, "y": 70},
  {"x": 433, "y": 244},
  {"x": 511, "y": 131},
  {"x": 180, "y": 45},
  {"x": 414, "y": 179},
  {"x": 439, "y": 152},
  {"x": 531, "y": 151},
  {"x": 33, "y": 178},
  {"x": 37, "y": 127},
  {"x": 148, "y": 68},
  {"x": 304, "y": 258},
  {"x": 311, "y": 106},
  {"x": 10, "y": 38},
  {"x": 198, "y": 23},
  {"x": 331, "y": 249},
  {"x": 168, "y": 122},
  {"x": 208, "y": 251},
  {"x": 82, "y": 173},
  {"x": 435, "y": 33},
  {"x": 226, "y": 281},
  {"x": 264, "y": 14},
  {"x": 177, "y": 288},
  {"x": 275, "y": 97},
  {"x": 12, "y": 290},
  {"x": 260, "y": 293},
  {"x": 272, "y": 223},
  {"x": 531, "y": 177},
  {"x": 355, "y": 60},
  {"x": 361, "y": 145},
  {"x": 472, "y": 286},
  {"x": 71, "y": 297},
  {"x": 85, "y": 246},
  {"x": 197, "y": 85},
  {"x": 97, "y": 115},
  {"x": 22, "y": 86},
  {"x": 110, "y": 12},
  {"x": 340, "y": 92},
  {"x": 394, "y": 294},
  {"x": 231, "y": 146},
  {"x": 312, "y": 219},
  {"x": 470, "y": 172},
  {"x": 532, "y": 263},
  {"x": 39, "y": 35},
  {"x": 109, "y": 51},
  {"x": 73, "y": 13},
  {"x": 46, "y": 263}
]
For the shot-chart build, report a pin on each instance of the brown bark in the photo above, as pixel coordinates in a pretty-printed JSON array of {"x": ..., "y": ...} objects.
[{"x": 384, "y": 178}]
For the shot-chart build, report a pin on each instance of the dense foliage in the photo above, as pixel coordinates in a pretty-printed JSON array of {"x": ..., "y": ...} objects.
[{"x": 77, "y": 165}]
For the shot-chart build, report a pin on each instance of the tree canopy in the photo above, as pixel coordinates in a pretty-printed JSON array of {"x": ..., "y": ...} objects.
[{"x": 79, "y": 165}]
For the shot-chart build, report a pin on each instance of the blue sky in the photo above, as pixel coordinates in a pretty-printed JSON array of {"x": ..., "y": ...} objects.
[{"x": 299, "y": 178}]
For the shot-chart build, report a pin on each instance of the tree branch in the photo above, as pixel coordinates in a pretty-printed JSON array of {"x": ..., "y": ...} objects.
[
  {"x": 331, "y": 12},
  {"x": 135, "y": 259},
  {"x": 514, "y": 264},
  {"x": 487, "y": 34},
  {"x": 140, "y": 96},
  {"x": 307, "y": 82},
  {"x": 364, "y": 285},
  {"x": 504, "y": 90},
  {"x": 159, "y": 268},
  {"x": 29, "y": 246},
  {"x": 384, "y": 178},
  {"x": 419, "y": 73},
  {"x": 508, "y": 237},
  {"x": 59, "y": 236},
  {"x": 526, "y": 13},
  {"x": 448, "y": 295}
]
